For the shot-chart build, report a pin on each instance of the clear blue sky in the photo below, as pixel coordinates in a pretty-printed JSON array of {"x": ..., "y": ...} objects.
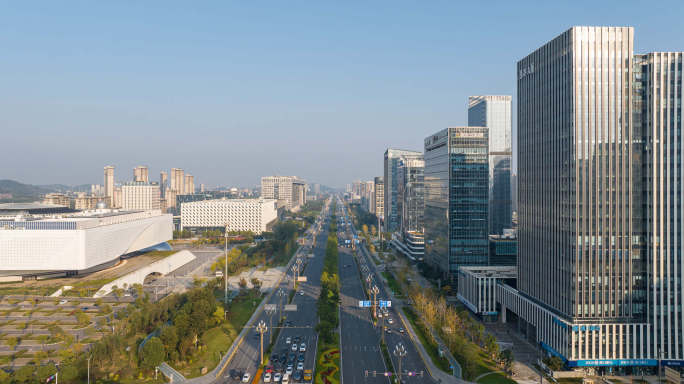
[{"x": 231, "y": 91}]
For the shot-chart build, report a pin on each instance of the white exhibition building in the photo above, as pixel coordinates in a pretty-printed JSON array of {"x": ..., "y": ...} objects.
[{"x": 79, "y": 242}]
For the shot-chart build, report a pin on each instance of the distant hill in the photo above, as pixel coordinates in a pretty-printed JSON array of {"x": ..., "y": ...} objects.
[{"x": 14, "y": 191}]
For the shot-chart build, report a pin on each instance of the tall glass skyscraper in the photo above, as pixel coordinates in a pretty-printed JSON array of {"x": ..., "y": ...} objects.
[
  {"x": 600, "y": 202},
  {"x": 391, "y": 168},
  {"x": 494, "y": 112},
  {"x": 456, "y": 202},
  {"x": 411, "y": 205}
]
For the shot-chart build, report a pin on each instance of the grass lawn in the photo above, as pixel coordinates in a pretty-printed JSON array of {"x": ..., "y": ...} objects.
[
  {"x": 430, "y": 347},
  {"x": 27, "y": 290},
  {"x": 219, "y": 339},
  {"x": 496, "y": 378},
  {"x": 393, "y": 283}
]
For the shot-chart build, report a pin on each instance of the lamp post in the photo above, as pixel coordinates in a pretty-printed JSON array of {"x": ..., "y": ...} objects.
[
  {"x": 225, "y": 273},
  {"x": 375, "y": 290},
  {"x": 294, "y": 276},
  {"x": 88, "y": 359},
  {"x": 262, "y": 328},
  {"x": 399, "y": 352},
  {"x": 270, "y": 313}
]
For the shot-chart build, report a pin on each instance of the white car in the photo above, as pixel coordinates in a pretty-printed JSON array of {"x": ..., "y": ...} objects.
[
  {"x": 294, "y": 347},
  {"x": 267, "y": 377},
  {"x": 246, "y": 377},
  {"x": 302, "y": 347},
  {"x": 277, "y": 377},
  {"x": 288, "y": 371},
  {"x": 300, "y": 366},
  {"x": 288, "y": 340},
  {"x": 390, "y": 321},
  {"x": 301, "y": 293},
  {"x": 62, "y": 302},
  {"x": 286, "y": 378}
]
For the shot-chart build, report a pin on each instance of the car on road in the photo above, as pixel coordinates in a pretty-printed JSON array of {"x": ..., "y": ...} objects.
[
  {"x": 277, "y": 377},
  {"x": 301, "y": 293},
  {"x": 288, "y": 340},
  {"x": 246, "y": 377},
  {"x": 297, "y": 339},
  {"x": 288, "y": 371},
  {"x": 235, "y": 374},
  {"x": 62, "y": 302},
  {"x": 389, "y": 330},
  {"x": 401, "y": 330},
  {"x": 390, "y": 321},
  {"x": 286, "y": 379},
  {"x": 300, "y": 366},
  {"x": 300, "y": 357},
  {"x": 302, "y": 347},
  {"x": 294, "y": 347},
  {"x": 267, "y": 377},
  {"x": 291, "y": 357},
  {"x": 297, "y": 376},
  {"x": 308, "y": 375}
]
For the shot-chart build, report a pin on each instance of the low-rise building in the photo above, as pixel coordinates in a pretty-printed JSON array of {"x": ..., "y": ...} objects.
[{"x": 256, "y": 215}]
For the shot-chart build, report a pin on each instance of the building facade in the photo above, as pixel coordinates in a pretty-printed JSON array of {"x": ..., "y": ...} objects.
[
  {"x": 379, "y": 200},
  {"x": 494, "y": 112},
  {"x": 456, "y": 184},
  {"x": 78, "y": 242},
  {"x": 599, "y": 202},
  {"x": 289, "y": 191},
  {"x": 57, "y": 199},
  {"x": 391, "y": 164},
  {"x": 256, "y": 215},
  {"x": 109, "y": 184},
  {"x": 141, "y": 174},
  {"x": 411, "y": 205},
  {"x": 139, "y": 195}
]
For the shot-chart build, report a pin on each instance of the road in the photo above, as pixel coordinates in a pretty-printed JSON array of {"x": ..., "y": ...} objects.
[
  {"x": 303, "y": 321},
  {"x": 412, "y": 361}
]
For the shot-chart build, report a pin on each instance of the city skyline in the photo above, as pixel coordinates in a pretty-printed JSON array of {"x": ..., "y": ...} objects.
[{"x": 410, "y": 83}]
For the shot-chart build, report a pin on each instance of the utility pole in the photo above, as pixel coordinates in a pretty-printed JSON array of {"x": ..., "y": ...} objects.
[
  {"x": 225, "y": 273},
  {"x": 399, "y": 352},
  {"x": 262, "y": 328}
]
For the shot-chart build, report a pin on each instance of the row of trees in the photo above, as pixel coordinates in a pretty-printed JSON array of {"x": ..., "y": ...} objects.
[
  {"x": 462, "y": 334},
  {"x": 330, "y": 293}
]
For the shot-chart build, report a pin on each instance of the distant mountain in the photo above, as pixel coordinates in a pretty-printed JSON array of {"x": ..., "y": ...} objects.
[{"x": 12, "y": 191}]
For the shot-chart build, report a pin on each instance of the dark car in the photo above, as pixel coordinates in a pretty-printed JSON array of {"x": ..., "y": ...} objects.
[
  {"x": 235, "y": 374},
  {"x": 297, "y": 376},
  {"x": 300, "y": 357},
  {"x": 291, "y": 357}
]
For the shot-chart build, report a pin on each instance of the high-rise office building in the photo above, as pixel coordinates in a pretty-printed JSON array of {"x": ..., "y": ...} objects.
[
  {"x": 494, "y": 112},
  {"x": 410, "y": 204},
  {"x": 600, "y": 202},
  {"x": 109, "y": 184},
  {"x": 391, "y": 163},
  {"x": 289, "y": 191},
  {"x": 138, "y": 195},
  {"x": 163, "y": 181},
  {"x": 456, "y": 184},
  {"x": 379, "y": 200},
  {"x": 141, "y": 174}
]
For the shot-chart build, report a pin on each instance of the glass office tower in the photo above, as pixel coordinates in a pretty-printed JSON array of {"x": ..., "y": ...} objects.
[
  {"x": 456, "y": 186},
  {"x": 392, "y": 214},
  {"x": 494, "y": 112},
  {"x": 411, "y": 205}
]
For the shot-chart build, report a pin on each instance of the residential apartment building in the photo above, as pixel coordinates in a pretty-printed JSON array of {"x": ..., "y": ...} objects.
[
  {"x": 494, "y": 112},
  {"x": 57, "y": 199},
  {"x": 379, "y": 200},
  {"x": 141, "y": 174},
  {"x": 138, "y": 195},
  {"x": 256, "y": 215},
  {"x": 456, "y": 185},
  {"x": 109, "y": 184}
]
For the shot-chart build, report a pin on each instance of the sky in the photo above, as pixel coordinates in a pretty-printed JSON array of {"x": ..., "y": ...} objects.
[{"x": 234, "y": 90}]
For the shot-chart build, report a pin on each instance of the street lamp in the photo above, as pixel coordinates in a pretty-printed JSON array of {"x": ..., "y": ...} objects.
[
  {"x": 375, "y": 290},
  {"x": 88, "y": 359},
  {"x": 399, "y": 352},
  {"x": 225, "y": 273},
  {"x": 281, "y": 294},
  {"x": 270, "y": 312},
  {"x": 262, "y": 328}
]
